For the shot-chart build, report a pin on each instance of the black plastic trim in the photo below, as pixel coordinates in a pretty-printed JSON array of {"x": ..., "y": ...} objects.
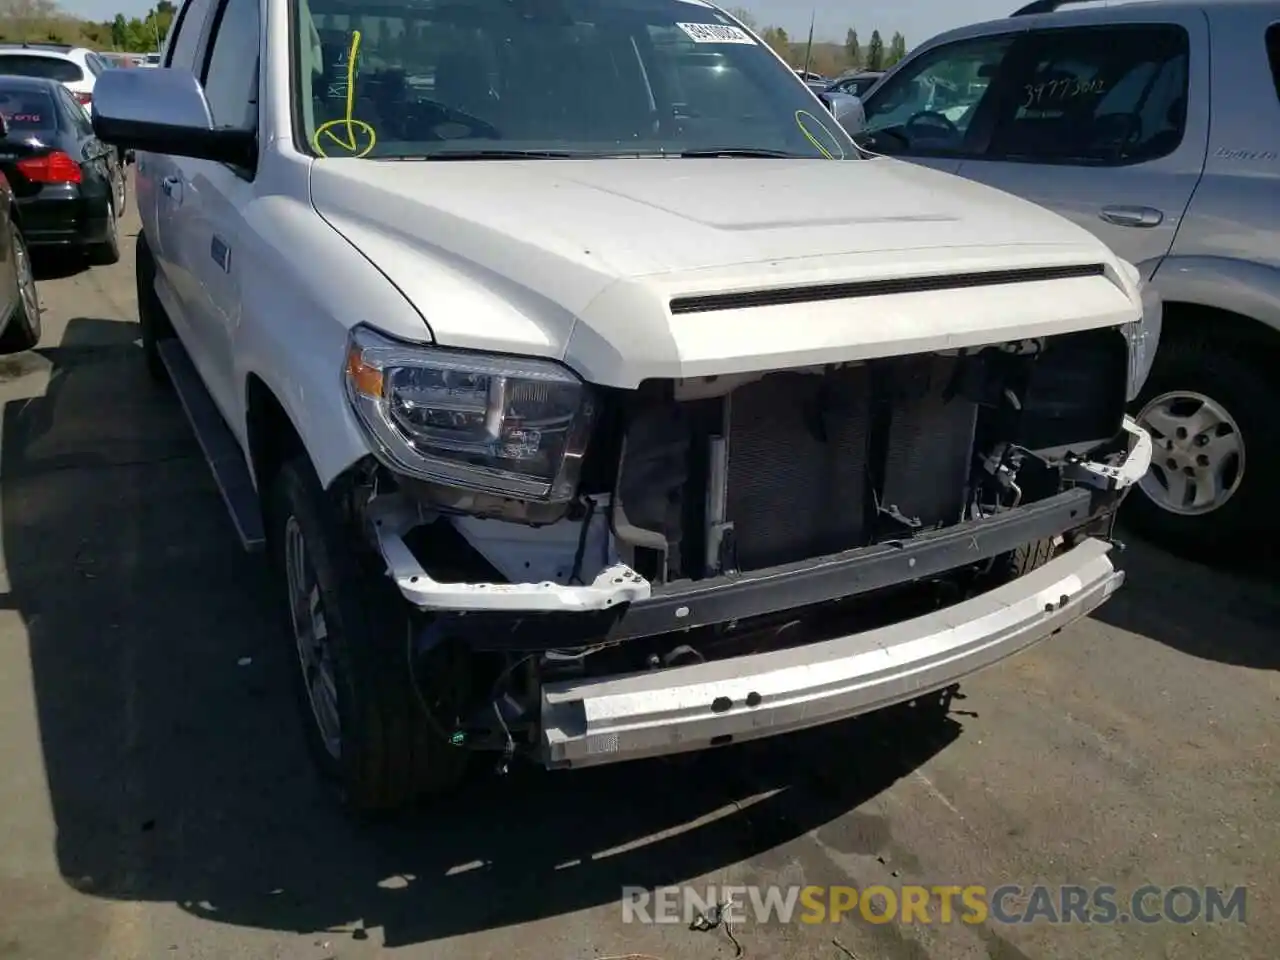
[
  {"x": 689, "y": 605},
  {"x": 876, "y": 288}
]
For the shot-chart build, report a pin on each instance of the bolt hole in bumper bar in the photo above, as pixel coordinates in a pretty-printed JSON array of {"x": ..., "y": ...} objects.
[{"x": 586, "y": 722}]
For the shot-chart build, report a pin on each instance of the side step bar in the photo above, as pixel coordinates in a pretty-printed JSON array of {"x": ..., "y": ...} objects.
[{"x": 219, "y": 445}]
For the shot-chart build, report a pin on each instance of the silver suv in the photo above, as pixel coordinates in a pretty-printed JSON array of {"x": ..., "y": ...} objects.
[{"x": 1157, "y": 126}]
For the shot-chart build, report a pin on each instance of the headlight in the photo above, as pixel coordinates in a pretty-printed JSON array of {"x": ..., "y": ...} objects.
[
  {"x": 1144, "y": 338},
  {"x": 509, "y": 426}
]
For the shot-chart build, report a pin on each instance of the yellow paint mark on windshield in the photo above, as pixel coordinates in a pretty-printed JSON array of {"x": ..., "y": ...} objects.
[
  {"x": 357, "y": 137},
  {"x": 801, "y": 117}
]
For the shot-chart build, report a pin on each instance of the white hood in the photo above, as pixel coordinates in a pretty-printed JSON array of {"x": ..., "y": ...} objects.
[{"x": 579, "y": 259}]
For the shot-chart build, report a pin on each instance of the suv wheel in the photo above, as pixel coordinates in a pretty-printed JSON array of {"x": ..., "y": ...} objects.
[
  {"x": 1216, "y": 456},
  {"x": 349, "y": 636}
]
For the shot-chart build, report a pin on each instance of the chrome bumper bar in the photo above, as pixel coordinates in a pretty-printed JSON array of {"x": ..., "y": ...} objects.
[{"x": 611, "y": 719}]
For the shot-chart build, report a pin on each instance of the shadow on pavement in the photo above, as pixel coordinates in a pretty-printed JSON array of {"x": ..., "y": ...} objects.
[
  {"x": 55, "y": 263},
  {"x": 176, "y": 769},
  {"x": 1227, "y": 614}
]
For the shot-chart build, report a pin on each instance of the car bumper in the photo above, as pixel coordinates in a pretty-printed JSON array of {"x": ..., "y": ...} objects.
[
  {"x": 585, "y": 723},
  {"x": 67, "y": 218}
]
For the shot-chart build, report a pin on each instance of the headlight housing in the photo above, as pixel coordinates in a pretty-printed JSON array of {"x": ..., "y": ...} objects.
[
  {"x": 1144, "y": 338},
  {"x": 510, "y": 426}
]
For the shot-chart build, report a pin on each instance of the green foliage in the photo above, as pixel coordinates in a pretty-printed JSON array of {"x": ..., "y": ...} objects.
[
  {"x": 853, "y": 48},
  {"x": 875, "y": 52},
  {"x": 897, "y": 49},
  {"x": 43, "y": 20}
]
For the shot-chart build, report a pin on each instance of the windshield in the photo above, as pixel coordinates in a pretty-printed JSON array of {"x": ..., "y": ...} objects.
[{"x": 387, "y": 79}]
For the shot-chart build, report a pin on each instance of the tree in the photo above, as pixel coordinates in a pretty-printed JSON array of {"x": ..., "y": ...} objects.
[
  {"x": 875, "y": 52},
  {"x": 120, "y": 32},
  {"x": 897, "y": 49},
  {"x": 852, "y": 47},
  {"x": 777, "y": 38},
  {"x": 745, "y": 16}
]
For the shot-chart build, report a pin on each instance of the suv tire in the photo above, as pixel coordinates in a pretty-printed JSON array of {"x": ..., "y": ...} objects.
[{"x": 1220, "y": 372}]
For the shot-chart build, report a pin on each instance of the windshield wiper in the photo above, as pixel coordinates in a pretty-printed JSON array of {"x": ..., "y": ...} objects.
[
  {"x": 742, "y": 152},
  {"x": 497, "y": 155}
]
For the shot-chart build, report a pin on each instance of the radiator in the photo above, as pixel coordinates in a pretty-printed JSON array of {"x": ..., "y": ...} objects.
[
  {"x": 797, "y": 474},
  {"x": 805, "y": 451}
]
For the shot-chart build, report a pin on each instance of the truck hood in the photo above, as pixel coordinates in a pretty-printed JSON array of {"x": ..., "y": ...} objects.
[{"x": 579, "y": 260}]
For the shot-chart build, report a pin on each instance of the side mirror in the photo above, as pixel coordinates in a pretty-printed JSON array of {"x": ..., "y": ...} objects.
[
  {"x": 165, "y": 111},
  {"x": 847, "y": 110}
]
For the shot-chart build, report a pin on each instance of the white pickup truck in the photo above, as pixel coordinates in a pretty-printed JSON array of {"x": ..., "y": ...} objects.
[{"x": 593, "y": 397}]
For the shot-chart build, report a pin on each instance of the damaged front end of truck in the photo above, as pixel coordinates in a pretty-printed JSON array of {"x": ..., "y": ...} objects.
[{"x": 705, "y": 560}]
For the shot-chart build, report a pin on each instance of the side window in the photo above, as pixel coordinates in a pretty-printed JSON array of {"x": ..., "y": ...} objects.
[
  {"x": 1273, "y": 53},
  {"x": 231, "y": 66},
  {"x": 181, "y": 52},
  {"x": 74, "y": 113},
  {"x": 929, "y": 105},
  {"x": 1101, "y": 96}
]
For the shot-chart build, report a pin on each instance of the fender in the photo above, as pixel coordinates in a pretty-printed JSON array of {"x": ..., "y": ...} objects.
[
  {"x": 302, "y": 362},
  {"x": 1245, "y": 287}
]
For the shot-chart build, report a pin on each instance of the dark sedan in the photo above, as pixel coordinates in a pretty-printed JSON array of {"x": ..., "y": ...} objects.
[
  {"x": 19, "y": 303},
  {"x": 68, "y": 185}
]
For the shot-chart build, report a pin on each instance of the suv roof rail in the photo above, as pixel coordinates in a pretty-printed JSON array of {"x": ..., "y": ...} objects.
[{"x": 1043, "y": 6}]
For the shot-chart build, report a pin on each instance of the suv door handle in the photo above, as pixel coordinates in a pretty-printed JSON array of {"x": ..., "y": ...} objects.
[
  {"x": 1133, "y": 216},
  {"x": 172, "y": 187}
]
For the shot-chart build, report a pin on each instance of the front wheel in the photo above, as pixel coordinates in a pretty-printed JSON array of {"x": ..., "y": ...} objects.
[
  {"x": 349, "y": 636},
  {"x": 1216, "y": 450},
  {"x": 152, "y": 320}
]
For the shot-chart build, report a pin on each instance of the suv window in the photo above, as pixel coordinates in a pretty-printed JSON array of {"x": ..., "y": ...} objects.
[
  {"x": 186, "y": 35},
  {"x": 929, "y": 106},
  {"x": 1273, "y": 53},
  {"x": 587, "y": 77},
  {"x": 51, "y": 68},
  {"x": 231, "y": 72},
  {"x": 1094, "y": 96}
]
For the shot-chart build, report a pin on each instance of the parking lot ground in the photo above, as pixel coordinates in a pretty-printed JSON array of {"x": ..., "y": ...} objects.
[{"x": 156, "y": 800}]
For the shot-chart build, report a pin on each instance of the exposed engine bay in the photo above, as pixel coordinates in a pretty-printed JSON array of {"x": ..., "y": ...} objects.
[{"x": 724, "y": 480}]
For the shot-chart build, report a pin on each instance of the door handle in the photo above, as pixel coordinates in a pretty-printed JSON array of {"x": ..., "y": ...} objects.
[
  {"x": 172, "y": 187},
  {"x": 1133, "y": 216}
]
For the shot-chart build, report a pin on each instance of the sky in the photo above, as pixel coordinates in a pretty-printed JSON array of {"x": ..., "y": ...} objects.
[{"x": 916, "y": 19}]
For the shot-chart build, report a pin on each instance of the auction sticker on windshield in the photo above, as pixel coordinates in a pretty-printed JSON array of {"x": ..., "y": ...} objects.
[{"x": 715, "y": 33}]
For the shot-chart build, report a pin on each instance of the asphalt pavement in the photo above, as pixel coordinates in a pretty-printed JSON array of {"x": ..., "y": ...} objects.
[{"x": 156, "y": 800}]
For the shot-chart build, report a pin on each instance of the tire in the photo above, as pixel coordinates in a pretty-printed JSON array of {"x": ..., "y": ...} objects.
[
  {"x": 385, "y": 754},
  {"x": 108, "y": 251},
  {"x": 1028, "y": 557},
  {"x": 152, "y": 320},
  {"x": 23, "y": 330},
  {"x": 1237, "y": 384}
]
